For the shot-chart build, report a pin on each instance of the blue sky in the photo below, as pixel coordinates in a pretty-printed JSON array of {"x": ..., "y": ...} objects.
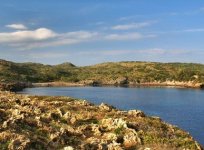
[{"x": 87, "y": 32}]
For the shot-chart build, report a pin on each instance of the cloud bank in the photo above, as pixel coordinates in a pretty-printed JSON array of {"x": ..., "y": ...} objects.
[{"x": 44, "y": 37}]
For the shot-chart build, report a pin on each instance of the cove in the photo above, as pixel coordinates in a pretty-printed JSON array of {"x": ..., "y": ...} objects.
[{"x": 179, "y": 106}]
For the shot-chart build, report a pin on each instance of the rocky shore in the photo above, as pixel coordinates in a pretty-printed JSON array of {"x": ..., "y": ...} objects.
[
  {"x": 64, "y": 123},
  {"x": 57, "y": 84},
  {"x": 14, "y": 86},
  {"x": 189, "y": 84}
]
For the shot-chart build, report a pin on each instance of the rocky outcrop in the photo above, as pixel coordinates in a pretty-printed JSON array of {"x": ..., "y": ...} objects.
[
  {"x": 136, "y": 113},
  {"x": 202, "y": 86},
  {"x": 118, "y": 82},
  {"x": 185, "y": 84},
  {"x": 56, "y": 84},
  {"x": 14, "y": 86},
  {"x": 121, "y": 81},
  {"x": 40, "y": 122},
  {"x": 105, "y": 107}
]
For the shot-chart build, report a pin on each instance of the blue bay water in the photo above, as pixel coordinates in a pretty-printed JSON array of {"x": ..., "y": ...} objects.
[{"x": 178, "y": 106}]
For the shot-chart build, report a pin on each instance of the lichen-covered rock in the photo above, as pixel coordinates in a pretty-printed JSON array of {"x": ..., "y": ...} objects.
[
  {"x": 110, "y": 123},
  {"x": 14, "y": 86},
  {"x": 122, "y": 80},
  {"x": 62, "y": 123},
  {"x": 19, "y": 143},
  {"x": 96, "y": 130},
  {"x": 73, "y": 120},
  {"x": 68, "y": 148},
  {"x": 105, "y": 107},
  {"x": 114, "y": 146},
  {"x": 136, "y": 113},
  {"x": 3, "y": 115},
  {"x": 110, "y": 136},
  {"x": 131, "y": 138}
]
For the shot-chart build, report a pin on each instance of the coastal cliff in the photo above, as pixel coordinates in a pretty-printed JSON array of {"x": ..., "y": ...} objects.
[{"x": 42, "y": 122}]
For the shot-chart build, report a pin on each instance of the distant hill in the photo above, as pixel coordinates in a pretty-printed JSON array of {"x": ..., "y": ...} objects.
[{"x": 105, "y": 73}]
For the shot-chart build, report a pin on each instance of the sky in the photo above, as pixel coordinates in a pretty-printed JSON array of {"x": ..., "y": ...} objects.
[{"x": 87, "y": 32}]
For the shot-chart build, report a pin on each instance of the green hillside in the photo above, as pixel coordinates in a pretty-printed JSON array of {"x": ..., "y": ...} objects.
[{"x": 105, "y": 73}]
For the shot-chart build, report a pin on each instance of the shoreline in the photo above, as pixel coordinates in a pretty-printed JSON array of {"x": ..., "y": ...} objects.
[
  {"x": 19, "y": 86},
  {"x": 147, "y": 84}
]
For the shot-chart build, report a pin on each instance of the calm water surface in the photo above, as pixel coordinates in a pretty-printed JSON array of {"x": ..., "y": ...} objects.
[{"x": 181, "y": 107}]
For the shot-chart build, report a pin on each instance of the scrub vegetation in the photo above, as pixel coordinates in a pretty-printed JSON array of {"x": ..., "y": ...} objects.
[{"x": 105, "y": 73}]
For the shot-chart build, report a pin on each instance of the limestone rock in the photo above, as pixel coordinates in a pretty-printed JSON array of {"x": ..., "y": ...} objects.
[
  {"x": 131, "y": 138},
  {"x": 73, "y": 120},
  {"x": 105, "y": 107},
  {"x": 136, "y": 113},
  {"x": 114, "y": 146},
  {"x": 68, "y": 148},
  {"x": 110, "y": 136},
  {"x": 122, "y": 80},
  {"x": 19, "y": 143},
  {"x": 67, "y": 115},
  {"x": 113, "y": 123}
]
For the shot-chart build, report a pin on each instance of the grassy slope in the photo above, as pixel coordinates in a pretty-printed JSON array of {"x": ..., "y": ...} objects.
[{"x": 137, "y": 72}]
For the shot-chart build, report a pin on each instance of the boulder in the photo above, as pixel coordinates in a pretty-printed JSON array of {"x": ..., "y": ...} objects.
[
  {"x": 110, "y": 136},
  {"x": 68, "y": 148},
  {"x": 67, "y": 115},
  {"x": 3, "y": 115},
  {"x": 131, "y": 138},
  {"x": 15, "y": 86},
  {"x": 114, "y": 146},
  {"x": 19, "y": 143},
  {"x": 111, "y": 123},
  {"x": 105, "y": 107},
  {"x": 121, "y": 80},
  {"x": 73, "y": 120},
  {"x": 136, "y": 113}
]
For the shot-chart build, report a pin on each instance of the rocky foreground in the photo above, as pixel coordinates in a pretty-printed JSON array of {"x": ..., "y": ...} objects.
[{"x": 39, "y": 122}]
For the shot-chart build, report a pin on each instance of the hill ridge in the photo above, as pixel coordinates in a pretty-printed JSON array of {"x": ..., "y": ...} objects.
[{"x": 111, "y": 73}]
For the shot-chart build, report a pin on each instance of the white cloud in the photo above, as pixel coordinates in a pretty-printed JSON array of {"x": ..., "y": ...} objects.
[
  {"x": 128, "y": 36},
  {"x": 17, "y": 26},
  {"x": 63, "y": 39},
  {"x": 131, "y": 26},
  {"x": 23, "y": 36},
  {"x": 43, "y": 37},
  {"x": 80, "y": 34}
]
